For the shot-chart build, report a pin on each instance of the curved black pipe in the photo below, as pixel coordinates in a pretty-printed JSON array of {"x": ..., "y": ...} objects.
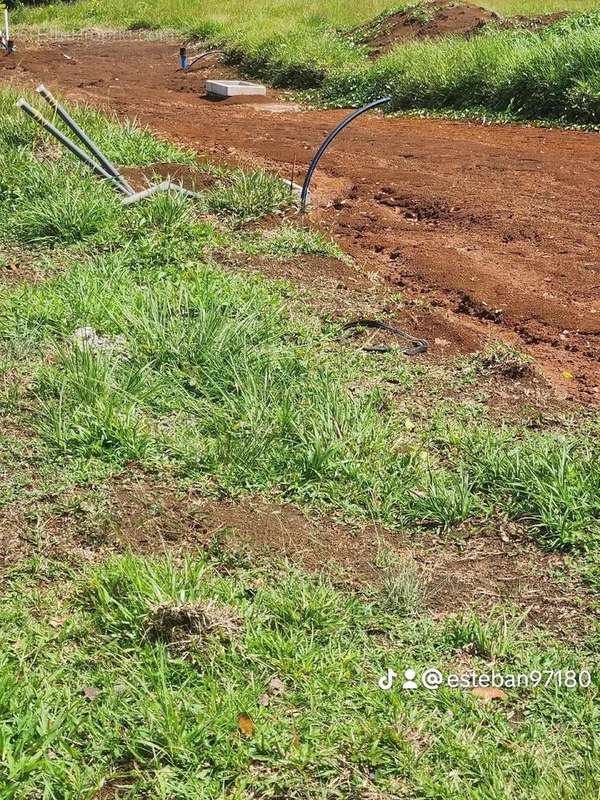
[
  {"x": 204, "y": 55},
  {"x": 329, "y": 139},
  {"x": 184, "y": 62}
]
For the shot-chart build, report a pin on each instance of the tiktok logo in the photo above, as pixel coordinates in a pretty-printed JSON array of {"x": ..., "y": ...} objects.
[{"x": 387, "y": 681}]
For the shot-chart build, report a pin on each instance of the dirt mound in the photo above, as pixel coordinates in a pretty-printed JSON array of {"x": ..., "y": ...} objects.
[
  {"x": 185, "y": 628},
  {"x": 439, "y": 18},
  {"x": 426, "y": 21}
]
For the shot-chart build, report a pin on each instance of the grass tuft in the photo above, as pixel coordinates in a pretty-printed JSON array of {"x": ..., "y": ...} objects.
[
  {"x": 91, "y": 701},
  {"x": 246, "y": 196}
]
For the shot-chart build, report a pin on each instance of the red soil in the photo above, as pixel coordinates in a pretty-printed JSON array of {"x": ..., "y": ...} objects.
[
  {"x": 433, "y": 20},
  {"x": 428, "y": 21},
  {"x": 493, "y": 230}
]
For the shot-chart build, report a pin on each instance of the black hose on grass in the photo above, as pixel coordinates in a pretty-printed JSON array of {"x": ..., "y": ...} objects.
[{"x": 414, "y": 347}]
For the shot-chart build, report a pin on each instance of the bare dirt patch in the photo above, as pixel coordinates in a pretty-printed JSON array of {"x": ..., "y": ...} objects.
[
  {"x": 437, "y": 210},
  {"x": 477, "y": 568},
  {"x": 17, "y": 266},
  {"x": 189, "y": 177},
  {"x": 434, "y": 20},
  {"x": 426, "y": 21}
]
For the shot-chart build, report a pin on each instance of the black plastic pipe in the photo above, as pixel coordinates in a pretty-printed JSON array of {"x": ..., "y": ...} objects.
[
  {"x": 204, "y": 55},
  {"x": 329, "y": 139},
  {"x": 184, "y": 62},
  {"x": 70, "y": 145},
  {"x": 83, "y": 137}
]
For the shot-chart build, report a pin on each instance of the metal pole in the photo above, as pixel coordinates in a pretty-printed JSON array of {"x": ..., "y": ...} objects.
[
  {"x": 77, "y": 151},
  {"x": 329, "y": 139},
  {"x": 82, "y": 135}
]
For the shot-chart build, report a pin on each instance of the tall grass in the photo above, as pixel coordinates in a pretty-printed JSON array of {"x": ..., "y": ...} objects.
[
  {"x": 258, "y": 18},
  {"x": 554, "y": 74},
  {"x": 549, "y": 74},
  {"x": 264, "y": 18}
]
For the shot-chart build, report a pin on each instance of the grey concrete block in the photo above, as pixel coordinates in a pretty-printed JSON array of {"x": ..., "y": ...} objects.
[{"x": 235, "y": 88}]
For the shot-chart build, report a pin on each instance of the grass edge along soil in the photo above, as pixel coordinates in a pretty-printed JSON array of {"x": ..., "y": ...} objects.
[
  {"x": 208, "y": 375},
  {"x": 517, "y": 72}
]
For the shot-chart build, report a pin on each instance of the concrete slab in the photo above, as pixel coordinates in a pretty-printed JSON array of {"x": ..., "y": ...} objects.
[{"x": 235, "y": 88}]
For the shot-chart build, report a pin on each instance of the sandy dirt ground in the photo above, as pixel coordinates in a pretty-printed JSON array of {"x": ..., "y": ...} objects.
[{"x": 493, "y": 229}]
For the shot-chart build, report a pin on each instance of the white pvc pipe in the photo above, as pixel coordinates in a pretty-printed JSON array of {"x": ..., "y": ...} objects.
[
  {"x": 6, "y": 31},
  {"x": 165, "y": 186}
]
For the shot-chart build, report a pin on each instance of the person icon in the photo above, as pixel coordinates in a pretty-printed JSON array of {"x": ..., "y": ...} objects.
[{"x": 409, "y": 683}]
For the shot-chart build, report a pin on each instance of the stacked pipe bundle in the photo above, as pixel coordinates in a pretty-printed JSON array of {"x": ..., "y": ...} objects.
[{"x": 102, "y": 166}]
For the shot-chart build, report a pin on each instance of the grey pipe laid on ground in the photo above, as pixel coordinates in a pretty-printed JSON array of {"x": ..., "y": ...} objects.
[
  {"x": 133, "y": 198},
  {"x": 70, "y": 145},
  {"x": 165, "y": 186},
  {"x": 82, "y": 135}
]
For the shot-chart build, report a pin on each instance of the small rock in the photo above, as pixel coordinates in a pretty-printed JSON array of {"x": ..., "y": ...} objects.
[
  {"x": 276, "y": 686},
  {"x": 87, "y": 338}
]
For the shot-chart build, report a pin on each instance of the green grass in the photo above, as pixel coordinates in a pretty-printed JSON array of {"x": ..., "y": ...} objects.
[
  {"x": 272, "y": 16},
  {"x": 511, "y": 8},
  {"x": 217, "y": 383},
  {"x": 259, "y": 18},
  {"x": 107, "y": 683},
  {"x": 553, "y": 74},
  {"x": 225, "y": 381},
  {"x": 286, "y": 241},
  {"x": 131, "y": 677}
]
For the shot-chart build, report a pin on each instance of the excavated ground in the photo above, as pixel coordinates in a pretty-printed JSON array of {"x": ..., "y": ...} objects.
[
  {"x": 487, "y": 231},
  {"x": 436, "y": 19}
]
